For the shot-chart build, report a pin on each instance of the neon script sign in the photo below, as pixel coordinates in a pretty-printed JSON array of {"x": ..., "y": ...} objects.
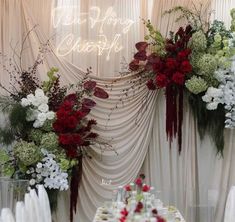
[{"x": 63, "y": 16}]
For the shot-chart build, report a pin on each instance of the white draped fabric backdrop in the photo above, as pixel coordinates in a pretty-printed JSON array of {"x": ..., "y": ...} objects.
[{"x": 198, "y": 180}]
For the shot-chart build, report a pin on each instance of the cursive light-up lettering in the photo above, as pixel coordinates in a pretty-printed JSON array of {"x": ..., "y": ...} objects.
[{"x": 64, "y": 16}]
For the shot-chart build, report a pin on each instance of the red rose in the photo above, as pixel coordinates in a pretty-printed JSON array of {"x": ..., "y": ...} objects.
[
  {"x": 150, "y": 84},
  {"x": 64, "y": 139},
  {"x": 139, "y": 207},
  {"x": 89, "y": 85},
  {"x": 134, "y": 65},
  {"x": 182, "y": 55},
  {"x": 145, "y": 188},
  {"x": 160, "y": 219},
  {"x": 124, "y": 212},
  {"x": 161, "y": 80},
  {"x": 178, "y": 78},
  {"x": 128, "y": 188},
  {"x": 72, "y": 122},
  {"x": 138, "y": 182},
  {"x": 62, "y": 113},
  {"x": 67, "y": 105},
  {"x": 57, "y": 127},
  {"x": 186, "y": 67},
  {"x": 141, "y": 56},
  {"x": 100, "y": 93},
  {"x": 171, "y": 63},
  {"x": 141, "y": 46},
  {"x": 158, "y": 65}
]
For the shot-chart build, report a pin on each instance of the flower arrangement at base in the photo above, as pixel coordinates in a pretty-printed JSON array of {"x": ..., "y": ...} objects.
[
  {"x": 48, "y": 131},
  {"x": 139, "y": 203},
  {"x": 196, "y": 61}
]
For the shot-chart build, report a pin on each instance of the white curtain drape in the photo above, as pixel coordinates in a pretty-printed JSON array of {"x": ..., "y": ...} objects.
[{"x": 195, "y": 181}]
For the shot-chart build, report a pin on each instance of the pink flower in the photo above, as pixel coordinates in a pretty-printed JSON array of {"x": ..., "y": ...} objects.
[{"x": 128, "y": 188}]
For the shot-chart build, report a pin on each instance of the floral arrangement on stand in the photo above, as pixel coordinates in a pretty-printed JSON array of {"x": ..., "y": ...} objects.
[
  {"x": 196, "y": 61},
  {"x": 48, "y": 130}
]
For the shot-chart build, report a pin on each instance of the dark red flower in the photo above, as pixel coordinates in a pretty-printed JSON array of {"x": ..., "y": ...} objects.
[
  {"x": 64, "y": 139},
  {"x": 72, "y": 152},
  {"x": 62, "y": 113},
  {"x": 150, "y": 84},
  {"x": 100, "y": 93},
  {"x": 71, "y": 97},
  {"x": 186, "y": 67},
  {"x": 158, "y": 65},
  {"x": 141, "y": 56},
  {"x": 88, "y": 103},
  {"x": 92, "y": 135},
  {"x": 180, "y": 44},
  {"x": 134, "y": 65},
  {"x": 128, "y": 188},
  {"x": 89, "y": 85},
  {"x": 188, "y": 29},
  {"x": 57, "y": 127},
  {"x": 182, "y": 55},
  {"x": 72, "y": 122},
  {"x": 161, "y": 80},
  {"x": 67, "y": 105},
  {"x": 79, "y": 115},
  {"x": 171, "y": 63},
  {"x": 160, "y": 219},
  {"x": 170, "y": 47},
  {"x": 77, "y": 139},
  {"x": 180, "y": 32},
  {"x": 139, "y": 207},
  {"x": 178, "y": 78},
  {"x": 85, "y": 110},
  {"x": 124, "y": 212},
  {"x": 141, "y": 46},
  {"x": 92, "y": 122},
  {"x": 138, "y": 182},
  {"x": 154, "y": 212},
  {"x": 145, "y": 188}
]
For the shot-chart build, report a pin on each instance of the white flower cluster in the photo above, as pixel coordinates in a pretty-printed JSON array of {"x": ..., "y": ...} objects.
[
  {"x": 39, "y": 111},
  {"x": 224, "y": 94},
  {"x": 49, "y": 173}
]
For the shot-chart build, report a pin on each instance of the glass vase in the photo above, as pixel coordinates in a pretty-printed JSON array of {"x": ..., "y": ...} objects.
[{"x": 11, "y": 191}]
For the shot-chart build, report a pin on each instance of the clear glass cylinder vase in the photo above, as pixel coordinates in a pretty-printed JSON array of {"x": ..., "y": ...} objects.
[{"x": 11, "y": 191}]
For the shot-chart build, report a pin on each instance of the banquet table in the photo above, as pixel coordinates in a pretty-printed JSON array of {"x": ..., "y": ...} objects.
[{"x": 103, "y": 215}]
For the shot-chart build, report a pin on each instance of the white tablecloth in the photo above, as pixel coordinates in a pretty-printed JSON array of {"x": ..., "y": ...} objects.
[{"x": 98, "y": 215}]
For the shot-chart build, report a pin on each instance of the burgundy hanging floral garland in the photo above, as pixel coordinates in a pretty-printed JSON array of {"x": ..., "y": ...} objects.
[{"x": 168, "y": 67}]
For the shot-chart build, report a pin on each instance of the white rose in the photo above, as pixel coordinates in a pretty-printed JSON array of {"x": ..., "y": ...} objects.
[
  {"x": 39, "y": 165},
  {"x": 39, "y": 93},
  {"x": 36, "y": 102},
  {"x": 30, "y": 97},
  {"x": 41, "y": 117},
  {"x": 43, "y": 99},
  {"x": 50, "y": 115},
  {"x": 43, "y": 108},
  {"x": 25, "y": 102},
  {"x": 37, "y": 124}
]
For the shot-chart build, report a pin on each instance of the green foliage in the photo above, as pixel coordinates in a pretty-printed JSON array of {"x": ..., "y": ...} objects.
[
  {"x": 208, "y": 121},
  {"x": 47, "y": 85}
]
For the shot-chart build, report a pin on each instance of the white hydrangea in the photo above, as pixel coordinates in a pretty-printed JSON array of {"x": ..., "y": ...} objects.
[
  {"x": 49, "y": 173},
  {"x": 43, "y": 108},
  {"x": 50, "y": 115}
]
